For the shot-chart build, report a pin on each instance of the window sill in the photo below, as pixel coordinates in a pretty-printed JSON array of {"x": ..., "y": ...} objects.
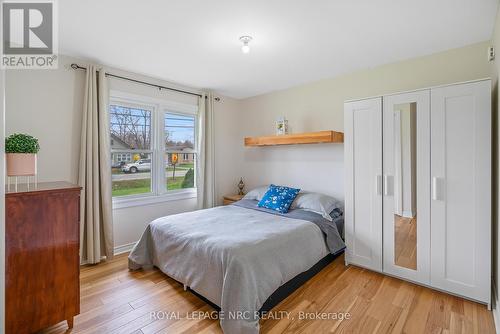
[{"x": 142, "y": 200}]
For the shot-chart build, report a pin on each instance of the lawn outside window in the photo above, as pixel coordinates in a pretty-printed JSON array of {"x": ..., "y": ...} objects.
[{"x": 153, "y": 150}]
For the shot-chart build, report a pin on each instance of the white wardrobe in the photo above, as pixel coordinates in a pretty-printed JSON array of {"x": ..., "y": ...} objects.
[{"x": 418, "y": 187}]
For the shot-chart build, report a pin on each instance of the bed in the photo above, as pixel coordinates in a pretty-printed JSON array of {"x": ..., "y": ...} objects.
[{"x": 238, "y": 256}]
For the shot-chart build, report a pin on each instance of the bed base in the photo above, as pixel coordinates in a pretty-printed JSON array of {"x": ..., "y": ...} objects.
[{"x": 286, "y": 289}]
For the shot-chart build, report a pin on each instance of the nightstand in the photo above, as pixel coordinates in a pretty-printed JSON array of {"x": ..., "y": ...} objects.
[{"x": 230, "y": 199}]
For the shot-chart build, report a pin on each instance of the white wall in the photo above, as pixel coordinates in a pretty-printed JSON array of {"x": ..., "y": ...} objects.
[
  {"x": 130, "y": 223},
  {"x": 495, "y": 70},
  {"x": 319, "y": 106},
  {"x": 48, "y": 104},
  {"x": 228, "y": 143}
]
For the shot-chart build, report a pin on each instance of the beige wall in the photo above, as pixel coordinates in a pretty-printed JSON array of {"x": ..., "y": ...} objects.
[
  {"x": 319, "y": 106},
  {"x": 48, "y": 105},
  {"x": 495, "y": 70},
  {"x": 228, "y": 153}
]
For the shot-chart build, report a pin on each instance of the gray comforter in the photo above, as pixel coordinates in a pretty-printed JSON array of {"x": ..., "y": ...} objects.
[{"x": 236, "y": 256}]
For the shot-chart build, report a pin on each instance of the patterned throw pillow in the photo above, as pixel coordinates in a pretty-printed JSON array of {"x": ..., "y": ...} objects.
[{"x": 278, "y": 198}]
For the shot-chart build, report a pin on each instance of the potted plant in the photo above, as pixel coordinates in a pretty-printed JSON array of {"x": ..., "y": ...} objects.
[{"x": 21, "y": 152}]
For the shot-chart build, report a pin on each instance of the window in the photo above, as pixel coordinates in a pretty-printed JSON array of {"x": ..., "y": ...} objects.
[
  {"x": 180, "y": 150},
  {"x": 153, "y": 149},
  {"x": 130, "y": 148}
]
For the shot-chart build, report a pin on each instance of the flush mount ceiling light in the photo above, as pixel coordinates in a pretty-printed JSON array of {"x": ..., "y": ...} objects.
[{"x": 245, "y": 48}]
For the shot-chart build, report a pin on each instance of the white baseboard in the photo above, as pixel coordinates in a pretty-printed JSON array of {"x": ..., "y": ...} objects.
[
  {"x": 124, "y": 248},
  {"x": 495, "y": 308},
  {"x": 117, "y": 250}
]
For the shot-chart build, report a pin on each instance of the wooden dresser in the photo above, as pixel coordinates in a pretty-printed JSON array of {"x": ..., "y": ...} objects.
[{"x": 42, "y": 284}]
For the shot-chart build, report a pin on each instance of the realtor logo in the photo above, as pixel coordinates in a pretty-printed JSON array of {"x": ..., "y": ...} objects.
[{"x": 29, "y": 39}]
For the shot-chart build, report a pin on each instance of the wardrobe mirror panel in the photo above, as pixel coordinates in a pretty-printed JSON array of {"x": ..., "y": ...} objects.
[{"x": 405, "y": 185}]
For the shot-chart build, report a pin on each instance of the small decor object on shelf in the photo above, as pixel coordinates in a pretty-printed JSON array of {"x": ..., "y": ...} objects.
[
  {"x": 281, "y": 126},
  {"x": 21, "y": 152},
  {"x": 241, "y": 186}
]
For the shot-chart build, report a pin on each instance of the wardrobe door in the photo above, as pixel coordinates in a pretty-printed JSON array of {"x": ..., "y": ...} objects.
[
  {"x": 461, "y": 189},
  {"x": 406, "y": 204},
  {"x": 363, "y": 156}
]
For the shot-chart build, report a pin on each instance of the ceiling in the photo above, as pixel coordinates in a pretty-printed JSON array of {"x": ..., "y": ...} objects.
[{"x": 195, "y": 42}]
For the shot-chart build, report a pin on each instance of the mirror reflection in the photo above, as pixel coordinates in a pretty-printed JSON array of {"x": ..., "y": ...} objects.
[{"x": 405, "y": 185}]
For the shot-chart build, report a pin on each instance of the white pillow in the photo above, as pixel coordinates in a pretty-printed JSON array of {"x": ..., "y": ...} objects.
[
  {"x": 256, "y": 193},
  {"x": 318, "y": 203}
]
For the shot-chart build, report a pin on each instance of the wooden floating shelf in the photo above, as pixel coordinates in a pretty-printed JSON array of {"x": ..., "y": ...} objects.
[{"x": 298, "y": 138}]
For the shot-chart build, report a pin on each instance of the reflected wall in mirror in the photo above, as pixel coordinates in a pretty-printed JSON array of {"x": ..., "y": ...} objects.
[{"x": 405, "y": 185}]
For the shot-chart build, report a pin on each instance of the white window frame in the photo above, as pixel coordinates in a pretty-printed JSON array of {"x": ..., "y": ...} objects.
[{"x": 158, "y": 108}]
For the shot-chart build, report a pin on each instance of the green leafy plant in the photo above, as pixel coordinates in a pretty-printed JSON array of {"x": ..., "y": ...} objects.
[{"x": 21, "y": 143}]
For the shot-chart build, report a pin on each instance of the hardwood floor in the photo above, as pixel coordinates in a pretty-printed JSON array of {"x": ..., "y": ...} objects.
[
  {"x": 115, "y": 300},
  {"x": 405, "y": 242}
]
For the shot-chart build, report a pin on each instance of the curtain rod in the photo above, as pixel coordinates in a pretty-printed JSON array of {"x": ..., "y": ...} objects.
[{"x": 78, "y": 67}]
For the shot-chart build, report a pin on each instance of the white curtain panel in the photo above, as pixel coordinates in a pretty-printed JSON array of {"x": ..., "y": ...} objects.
[
  {"x": 205, "y": 176},
  {"x": 96, "y": 219}
]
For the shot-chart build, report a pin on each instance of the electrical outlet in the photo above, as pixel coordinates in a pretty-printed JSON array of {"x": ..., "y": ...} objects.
[{"x": 491, "y": 53}]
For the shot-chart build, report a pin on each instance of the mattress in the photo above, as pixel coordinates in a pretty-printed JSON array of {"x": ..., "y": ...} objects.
[{"x": 236, "y": 256}]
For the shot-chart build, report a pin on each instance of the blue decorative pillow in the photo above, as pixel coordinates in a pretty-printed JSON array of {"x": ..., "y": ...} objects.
[{"x": 278, "y": 198}]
